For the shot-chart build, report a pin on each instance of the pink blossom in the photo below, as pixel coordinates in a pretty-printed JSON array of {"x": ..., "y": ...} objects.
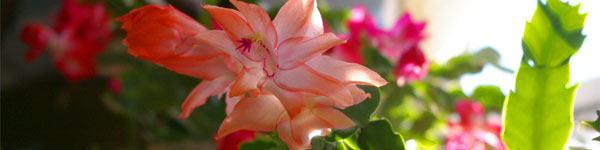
[{"x": 473, "y": 131}]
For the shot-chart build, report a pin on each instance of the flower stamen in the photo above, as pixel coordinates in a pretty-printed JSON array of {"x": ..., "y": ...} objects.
[
  {"x": 245, "y": 46},
  {"x": 248, "y": 40}
]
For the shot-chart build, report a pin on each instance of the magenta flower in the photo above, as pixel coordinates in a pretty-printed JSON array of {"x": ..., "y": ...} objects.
[
  {"x": 473, "y": 131},
  {"x": 360, "y": 23},
  {"x": 411, "y": 66},
  {"x": 400, "y": 38},
  {"x": 400, "y": 44}
]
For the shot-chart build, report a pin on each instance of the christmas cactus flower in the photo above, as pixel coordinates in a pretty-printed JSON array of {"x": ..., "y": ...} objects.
[
  {"x": 360, "y": 24},
  {"x": 411, "y": 66},
  {"x": 405, "y": 34},
  {"x": 400, "y": 44},
  {"x": 165, "y": 36},
  {"x": 272, "y": 68},
  {"x": 472, "y": 131},
  {"x": 80, "y": 32},
  {"x": 283, "y": 69}
]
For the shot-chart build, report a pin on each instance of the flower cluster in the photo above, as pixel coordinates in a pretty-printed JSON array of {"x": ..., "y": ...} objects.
[
  {"x": 79, "y": 33},
  {"x": 273, "y": 71},
  {"x": 472, "y": 131},
  {"x": 400, "y": 44}
]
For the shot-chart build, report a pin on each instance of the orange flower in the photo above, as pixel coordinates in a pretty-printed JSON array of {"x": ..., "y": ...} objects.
[
  {"x": 273, "y": 71},
  {"x": 165, "y": 36}
]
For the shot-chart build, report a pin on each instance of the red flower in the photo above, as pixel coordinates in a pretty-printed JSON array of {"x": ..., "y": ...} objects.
[
  {"x": 233, "y": 140},
  {"x": 79, "y": 33},
  {"x": 473, "y": 131}
]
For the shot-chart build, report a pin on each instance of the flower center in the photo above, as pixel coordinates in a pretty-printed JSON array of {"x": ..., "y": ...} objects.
[
  {"x": 248, "y": 40},
  {"x": 256, "y": 53}
]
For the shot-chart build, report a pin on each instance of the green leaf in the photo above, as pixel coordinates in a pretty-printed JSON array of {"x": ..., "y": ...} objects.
[
  {"x": 336, "y": 139},
  {"x": 258, "y": 144},
  {"x": 489, "y": 96},
  {"x": 264, "y": 142},
  {"x": 595, "y": 124},
  {"x": 539, "y": 113},
  {"x": 468, "y": 63},
  {"x": 338, "y": 134},
  {"x": 378, "y": 135},
  {"x": 362, "y": 113},
  {"x": 320, "y": 143},
  {"x": 554, "y": 33}
]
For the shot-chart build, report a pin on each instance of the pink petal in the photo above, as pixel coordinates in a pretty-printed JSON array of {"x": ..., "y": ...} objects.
[
  {"x": 258, "y": 19},
  {"x": 284, "y": 132},
  {"x": 305, "y": 79},
  {"x": 347, "y": 73},
  {"x": 202, "y": 91},
  {"x": 305, "y": 123},
  {"x": 254, "y": 113},
  {"x": 230, "y": 20},
  {"x": 206, "y": 67},
  {"x": 295, "y": 51},
  {"x": 246, "y": 82},
  {"x": 333, "y": 117},
  {"x": 358, "y": 94},
  {"x": 298, "y": 18},
  {"x": 231, "y": 102},
  {"x": 291, "y": 101},
  {"x": 318, "y": 118}
]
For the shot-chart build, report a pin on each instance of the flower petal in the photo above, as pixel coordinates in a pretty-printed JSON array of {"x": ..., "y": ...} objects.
[
  {"x": 158, "y": 31},
  {"x": 347, "y": 73},
  {"x": 253, "y": 113},
  {"x": 230, "y": 20},
  {"x": 304, "y": 123},
  {"x": 202, "y": 91},
  {"x": 295, "y": 51},
  {"x": 284, "y": 132},
  {"x": 333, "y": 117},
  {"x": 258, "y": 19},
  {"x": 36, "y": 36},
  {"x": 358, "y": 94},
  {"x": 219, "y": 40},
  {"x": 246, "y": 82},
  {"x": 298, "y": 18},
  {"x": 231, "y": 102},
  {"x": 76, "y": 67},
  {"x": 305, "y": 79},
  {"x": 292, "y": 101},
  {"x": 206, "y": 67}
]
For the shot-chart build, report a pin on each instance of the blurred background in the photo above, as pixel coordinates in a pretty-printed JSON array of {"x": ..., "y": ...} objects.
[{"x": 41, "y": 110}]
